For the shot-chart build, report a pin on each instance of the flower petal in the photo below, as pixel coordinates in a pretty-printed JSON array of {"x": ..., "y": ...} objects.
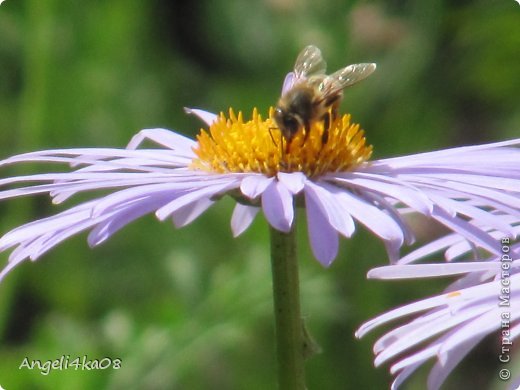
[
  {"x": 277, "y": 205},
  {"x": 430, "y": 248},
  {"x": 294, "y": 181},
  {"x": 469, "y": 231},
  {"x": 187, "y": 214},
  {"x": 427, "y": 330},
  {"x": 403, "y": 375},
  {"x": 459, "y": 342},
  {"x": 374, "y": 219},
  {"x": 205, "y": 116},
  {"x": 390, "y": 187},
  {"x": 193, "y": 196},
  {"x": 253, "y": 186},
  {"x": 242, "y": 217},
  {"x": 288, "y": 82},
  {"x": 337, "y": 216},
  {"x": 323, "y": 237},
  {"x": 430, "y": 270},
  {"x": 450, "y": 298},
  {"x": 440, "y": 371},
  {"x": 114, "y": 219},
  {"x": 163, "y": 137}
]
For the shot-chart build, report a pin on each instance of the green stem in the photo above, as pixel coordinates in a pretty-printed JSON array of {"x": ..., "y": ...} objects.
[{"x": 290, "y": 344}]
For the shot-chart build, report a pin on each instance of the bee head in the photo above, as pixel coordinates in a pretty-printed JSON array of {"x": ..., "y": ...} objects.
[{"x": 287, "y": 122}]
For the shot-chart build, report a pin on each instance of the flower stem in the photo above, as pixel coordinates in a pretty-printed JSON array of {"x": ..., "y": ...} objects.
[{"x": 290, "y": 344}]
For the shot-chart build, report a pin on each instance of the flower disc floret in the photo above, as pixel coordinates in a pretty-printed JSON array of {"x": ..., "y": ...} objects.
[{"x": 234, "y": 145}]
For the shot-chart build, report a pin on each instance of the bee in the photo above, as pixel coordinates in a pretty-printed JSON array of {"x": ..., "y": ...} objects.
[{"x": 309, "y": 95}]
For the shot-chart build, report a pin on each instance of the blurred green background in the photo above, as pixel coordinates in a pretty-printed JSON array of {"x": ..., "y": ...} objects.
[{"x": 191, "y": 308}]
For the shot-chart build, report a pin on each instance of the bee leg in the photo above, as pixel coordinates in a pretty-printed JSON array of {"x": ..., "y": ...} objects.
[
  {"x": 274, "y": 141},
  {"x": 333, "y": 103},
  {"x": 326, "y": 127},
  {"x": 271, "y": 134},
  {"x": 287, "y": 144},
  {"x": 330, "y": 116},
  {"x": 306, "y": 132}
]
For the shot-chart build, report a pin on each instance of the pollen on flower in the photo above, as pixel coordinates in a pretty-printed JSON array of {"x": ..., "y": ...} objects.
[
  {"x": 453, "y": 294},
  {"x": 232, "y": 145}
]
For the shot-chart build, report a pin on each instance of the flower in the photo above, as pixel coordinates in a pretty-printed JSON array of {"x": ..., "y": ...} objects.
[
  {"x": 334, "y": 181},
  {"x": 486, "y": 300}
]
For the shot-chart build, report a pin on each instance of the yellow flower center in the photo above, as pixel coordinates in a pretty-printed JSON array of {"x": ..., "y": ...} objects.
[{"x": 232, "y": 145}]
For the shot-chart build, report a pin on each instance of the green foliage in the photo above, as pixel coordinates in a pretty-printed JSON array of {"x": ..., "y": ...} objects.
[{"x": 198, "y": 316}]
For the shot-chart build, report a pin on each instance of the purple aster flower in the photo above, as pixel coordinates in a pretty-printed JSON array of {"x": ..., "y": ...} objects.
[
  {"x": 445, "y": 327},
  {"x": 335, "y": 182}
]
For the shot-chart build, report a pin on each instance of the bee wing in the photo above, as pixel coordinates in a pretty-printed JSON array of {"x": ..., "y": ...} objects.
[
  {"x": 345, "y": 77},
  {"x": 309, "y": 62}
]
